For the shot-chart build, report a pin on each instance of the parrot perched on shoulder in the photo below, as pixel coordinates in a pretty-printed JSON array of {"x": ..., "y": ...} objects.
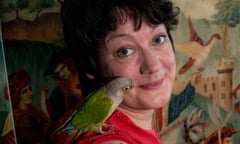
[{"x": 97, "y": 107}]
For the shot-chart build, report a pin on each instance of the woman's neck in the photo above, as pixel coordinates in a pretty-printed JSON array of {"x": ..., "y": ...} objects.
[
  {"x": 22, "y": 106},
  {"x": 142, "y": 118}
]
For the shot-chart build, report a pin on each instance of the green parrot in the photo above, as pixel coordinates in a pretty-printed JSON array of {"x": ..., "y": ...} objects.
[{"x": 97, "y": 107}]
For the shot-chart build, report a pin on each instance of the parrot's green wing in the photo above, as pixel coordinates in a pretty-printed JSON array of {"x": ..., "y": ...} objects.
[{"x": 93, "y": 112}]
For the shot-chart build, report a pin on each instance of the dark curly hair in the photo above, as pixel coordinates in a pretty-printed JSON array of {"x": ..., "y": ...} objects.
[{"x": 85, "y": 23}]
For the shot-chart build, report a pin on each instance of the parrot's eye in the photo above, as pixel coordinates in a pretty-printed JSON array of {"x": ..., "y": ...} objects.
[{"x": 126, "y": 88}]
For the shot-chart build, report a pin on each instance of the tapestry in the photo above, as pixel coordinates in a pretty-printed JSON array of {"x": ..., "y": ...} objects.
[
  {"x": 205, "y": 100},
  {"x": 207, "y": 84}
]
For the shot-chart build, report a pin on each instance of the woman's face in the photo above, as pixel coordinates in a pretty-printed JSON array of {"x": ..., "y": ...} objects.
[
  {"x": 146, "y": 56},
  {"x": 26, "y": 95},
  {"x": 62, "y": 71}
]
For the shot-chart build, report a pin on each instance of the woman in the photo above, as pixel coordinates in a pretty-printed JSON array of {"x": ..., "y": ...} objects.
[
  {"x": 31, "y": 125},
  {"x": 66, "y": 95},
  {"x": 131, "y": 38}
]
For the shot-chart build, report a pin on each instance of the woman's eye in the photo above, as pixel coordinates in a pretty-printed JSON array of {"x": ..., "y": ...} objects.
[
  {"x": 124, "y": 52},
  {"x": 160, "y": 39}
]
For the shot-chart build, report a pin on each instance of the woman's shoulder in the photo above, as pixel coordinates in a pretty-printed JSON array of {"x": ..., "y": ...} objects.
[
  {"x": 119, "y": 129},
  {"x": 114, "y": 132}
]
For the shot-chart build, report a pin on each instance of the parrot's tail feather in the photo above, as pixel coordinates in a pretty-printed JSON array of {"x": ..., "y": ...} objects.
[
  {"x": 65, "y": 124},
  {"x": 68, "y": 129},
  {"x": 72, "y": 137}
]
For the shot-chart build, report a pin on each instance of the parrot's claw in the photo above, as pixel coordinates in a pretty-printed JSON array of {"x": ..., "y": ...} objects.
[{"x": 106, "y": 129}]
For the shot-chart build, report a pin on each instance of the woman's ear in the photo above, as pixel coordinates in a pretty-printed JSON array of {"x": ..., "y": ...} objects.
[{"x": 90, "y": 76}]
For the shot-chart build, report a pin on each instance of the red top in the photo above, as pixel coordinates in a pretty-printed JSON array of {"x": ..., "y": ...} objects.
[{"x": 121, "y": 128}]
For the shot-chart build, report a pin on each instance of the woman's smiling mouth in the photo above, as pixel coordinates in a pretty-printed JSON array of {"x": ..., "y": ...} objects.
[{"x": 152, "y": 85}]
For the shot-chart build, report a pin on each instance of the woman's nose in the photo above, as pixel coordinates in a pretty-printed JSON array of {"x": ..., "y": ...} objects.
[
  {"x": 30, "y": 91},
  {"x": 151, "y": 62}
]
